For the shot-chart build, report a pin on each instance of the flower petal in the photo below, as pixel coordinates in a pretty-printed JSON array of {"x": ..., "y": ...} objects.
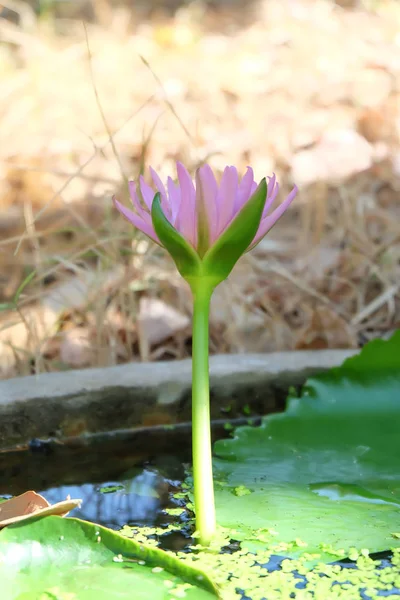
[
  {"x": 160, "y": 187},
  {"x": 206, "y": 191},
  {"x": 147, "y": 192},
  {"x": 273, "y": 190},
  {"x": 174, "y": 195},
  {"x": 206, "y": 200},
  {"x": 226, "y": 199},
  {"x": 136, "y": 220},
  {"x": 187, "y": 209},
  {"x": 137, "y": 204},
  {"x": 268, "y": 222},
  {"x": 157, "y": 182},
  {"x": 245, "y": 190}
]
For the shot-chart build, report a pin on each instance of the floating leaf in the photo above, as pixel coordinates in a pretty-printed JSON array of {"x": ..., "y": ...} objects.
[
  {"x": 59, "y": 559},
  {"x": 326, "y": 472}
]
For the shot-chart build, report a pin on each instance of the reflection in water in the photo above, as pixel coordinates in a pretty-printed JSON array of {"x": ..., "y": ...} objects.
[
  {"x": 122, "y": 477},
  {"x": 348, "y": 491},
  {"x": 135, "y": 501}
]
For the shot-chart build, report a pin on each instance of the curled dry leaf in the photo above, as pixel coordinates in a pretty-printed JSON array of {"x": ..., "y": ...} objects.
[
  {"x": 157, "y": 321},
  {"x": 30, "y": 503},
  {"x": 339, "y": 154},
  {"x": 75, "y": 348},
  {"x": 326, "y": 330}
]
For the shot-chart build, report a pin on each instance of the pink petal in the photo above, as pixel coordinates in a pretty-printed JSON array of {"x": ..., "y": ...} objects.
[
  {"x": 157, "y": 182},
  {"x": 245, "y": 189},
  {"x": 268, "y": 222},
  {"x": 137, "y": 204},
  {"x": 226, "y": 199},
  {"x": 273, "y": 190},
  {"x": 206, "y": 196},
  {"x": 147, "y": 192},
  {"x": 136, "y": 220},
  {"x": 160, "y": 187},
  {"x": 174, "y": 195},
  {"x": 187, "y": 209}
]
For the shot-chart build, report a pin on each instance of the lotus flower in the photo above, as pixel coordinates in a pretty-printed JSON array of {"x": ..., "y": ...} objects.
[
  {"x": 202, "y": 211},
  {"x": 206, "y": 228}
]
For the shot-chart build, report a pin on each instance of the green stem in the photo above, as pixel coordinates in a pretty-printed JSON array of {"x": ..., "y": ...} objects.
[{"x": 201, "y": 427}]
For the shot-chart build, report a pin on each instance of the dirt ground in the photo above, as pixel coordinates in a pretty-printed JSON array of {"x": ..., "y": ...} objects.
[{"x": 307, "y": 89}]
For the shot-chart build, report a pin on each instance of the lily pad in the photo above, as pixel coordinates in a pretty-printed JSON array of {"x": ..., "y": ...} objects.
[
  {"x": 54, "y": 558},
  {"x": 323, "y": 477}
]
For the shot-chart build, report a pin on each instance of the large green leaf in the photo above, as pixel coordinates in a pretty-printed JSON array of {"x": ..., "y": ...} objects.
[
  {"x": 327, "y": 471},
  {"x": 67, "y": 559}
]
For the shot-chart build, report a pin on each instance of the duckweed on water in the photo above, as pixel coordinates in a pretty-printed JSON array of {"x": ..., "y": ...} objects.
[
  {"x": 263, "y": 575},
  {"x": 174, "y": 512},
  {"x": 241, "y": 490}
]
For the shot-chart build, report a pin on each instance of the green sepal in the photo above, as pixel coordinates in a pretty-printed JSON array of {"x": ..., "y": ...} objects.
[
  {"x": 184, "y": 255},
  {"x": 220, "y": 259}
]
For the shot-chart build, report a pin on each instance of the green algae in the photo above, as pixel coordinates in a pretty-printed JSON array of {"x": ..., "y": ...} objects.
[
  {"x": 174, "y": 512},
  {"x": 247, "y": 573}
]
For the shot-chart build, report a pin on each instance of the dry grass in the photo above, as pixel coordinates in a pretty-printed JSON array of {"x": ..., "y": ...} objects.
[{"x": 309, "y": 90}]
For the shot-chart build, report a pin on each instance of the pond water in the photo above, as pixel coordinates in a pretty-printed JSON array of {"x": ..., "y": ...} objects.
[{"x": 123, "y": 478}]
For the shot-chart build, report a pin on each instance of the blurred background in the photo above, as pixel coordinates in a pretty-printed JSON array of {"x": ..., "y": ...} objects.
[{"x": 93, "y": 92}]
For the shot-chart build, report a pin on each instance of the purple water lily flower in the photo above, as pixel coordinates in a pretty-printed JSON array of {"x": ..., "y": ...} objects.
[
  {"x": 202, "y": 210},
  {"x": 206, "y": 228}
]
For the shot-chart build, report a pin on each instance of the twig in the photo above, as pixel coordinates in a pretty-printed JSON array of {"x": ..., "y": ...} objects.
[
  {"x": 376, "y": 304},
  {"x": 81, "y": 169},
  {"x": 60, "y": 173},
  {"x": 167, "y": 102},
  {"x": 279, "y": 270},
  {"x": 100, "y": 107}
]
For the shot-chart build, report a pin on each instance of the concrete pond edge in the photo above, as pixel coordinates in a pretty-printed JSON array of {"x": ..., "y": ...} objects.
[{"x": 133, "y": 395}]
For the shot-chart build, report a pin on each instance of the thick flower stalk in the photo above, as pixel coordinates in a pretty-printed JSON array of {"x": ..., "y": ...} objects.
[{"x": 206, "y": 227}]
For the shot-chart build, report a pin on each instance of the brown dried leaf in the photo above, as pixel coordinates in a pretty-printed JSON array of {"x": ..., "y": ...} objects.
[
  {"x": 371, "y": 87},
  {"x": 157, "y": 321},
  {"x": 339, "y": 154},
  {"x": 30, "y": 503},
  {"x": 326, "y": 330},
  {"x": 76, "y": 349}
]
